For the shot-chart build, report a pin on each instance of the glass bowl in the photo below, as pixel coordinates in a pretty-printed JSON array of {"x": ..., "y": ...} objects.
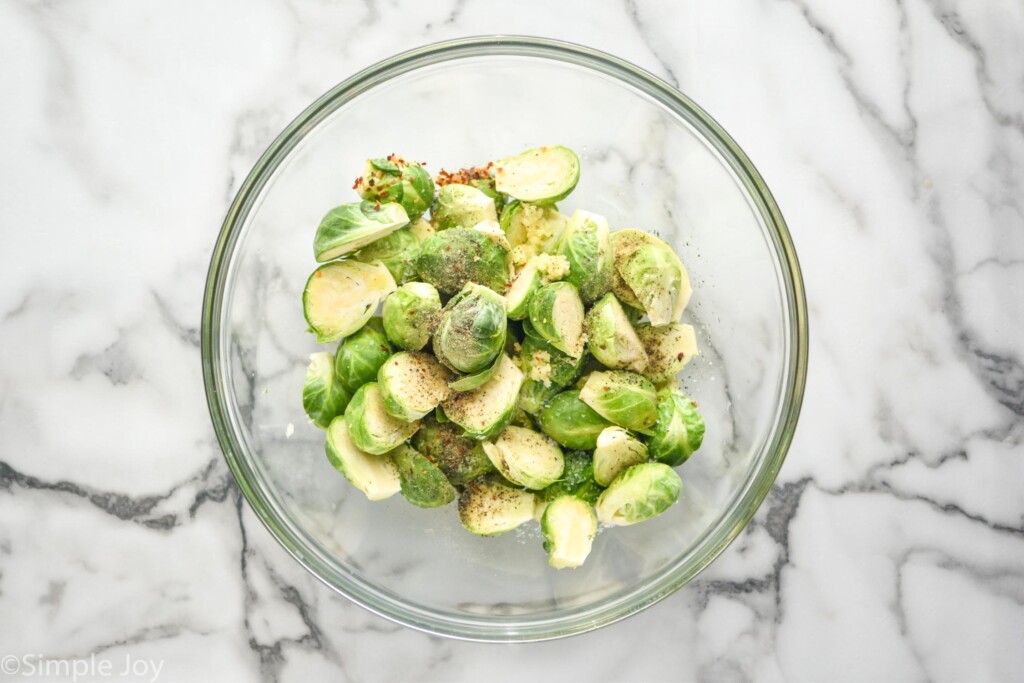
[{"x": 651, "y": 159}]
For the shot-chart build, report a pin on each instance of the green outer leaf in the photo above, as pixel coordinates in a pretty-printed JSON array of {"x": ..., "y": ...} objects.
[
  {"x": 476, "y": 380},
  {"x": 642, "y": 492},
  {"x": 571, "y": 422},
  {"x": 360, "y": 356},
  {"x": 323, "y": 396},
  {"x": 452, "y": 258},
  {"x": 559, "y": 331},
  {"x": 461, "y": 458},
  {"x": 417, "y": 190},
  {"x": 411, "y": 314},
  {"x": 534, "y": 395},
  {"x": 586, "y": 244},
  {"x": 624, "y": 398},
  {"x": 396, "y": 251},
  {"x": 679, "y": 430},
  {"x": 471, "y": 333},
  {"x": 349, "y": 227},
  {"x": 423, "y": 483}
]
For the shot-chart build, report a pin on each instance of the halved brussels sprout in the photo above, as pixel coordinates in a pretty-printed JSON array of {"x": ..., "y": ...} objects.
[
  {"x": 532, "y": 229},
  {"x": 411, "y": 314},
  {"x": 340, "y": 297},
  {"x": 488, "y": 187},
  {"x": 484, "y": 412},
  {"x": 323, "y": 395},
  {"x": 412, "y": 384},
  {"x": 370, "y": 426},
  {"x": 669, "y": 348},
  {"x": 586, "y": 244},
  {"x": 395, "y": 180},
  {"x": 652, "y": 272},
  {"x": 577, "y": 480},
  {"x": 451, "y": 258},
  {"x": 423, "y": 483},
  {"x": 396, "y": 251},
  {"x": 641, "y": 492},
  {"x": 556, "y": 314},
  {"x": 535, "y": 394},
  {"x": 543, "y": 362},
  {"x": 623, "y": 398},
  {"x": 569, "y": 526},
  {"x": 526, "y": 458},
  {"x": 488, "y": 507},
  {"x": 461, "y": 458},
  {"x": 616, "y": 451},
  {"x": 348, "y": 227},
  {"x": 375, "y": 475},
  {"x": 471, "y": 332},
  {"x": 360, "y": 355},
  {"x": 679, "y": 430},
  {"x": 517, "y": 298},
  {"x": 542, "y": 175},
  {"x": 570, "y": 421},
  {"x": 611, "y": 338},
  {"x": 462, "y": 206}
]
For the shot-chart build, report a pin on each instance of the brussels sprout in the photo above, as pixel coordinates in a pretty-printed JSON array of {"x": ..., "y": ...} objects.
[
  {"x": 543, "y": 362},
  {"x": 611, "y": 338},
  {"x": 556, "y": 314},
  {"x": 488, "y": 507},
  {"x": 451, "y": 258},
  {"x": 616, "y": 451},
  {"x": 535, "y": 394},
  {"x": 375, "y": 475},
  {"x": 340, "y": 297},
  {"x": 569, "y": 526},
  {"x": 542, "y": 175},
  {"x": 531, "y": 229},
  {"x": 570, "y": 421},
  {"x": 423, "y": 483},
  {"x": 623, "y": 398},
  {"x": 396, "y": 251},
  {"x": 484, "y": 412},
  {"x": 577, "y": 480},
  {"x": 348, "y": 227},
  {"x": 641, "y": 492},
  {"x": 679, "y": 430},
  {"x": 517, "y": 298},
  {"x": 461, "y": 458},
  {"x": 526, "y": 458},
  {"x": 411, "y": 314},
  {"x": 653, "y": 274},
  {"x": 360, "y": 356},
  {"x": 462, "y": 206},
  {"x": 586, "y": 244},
  {"x": 471, "y": 332},
  {"x": 395, "y": 180},
  {"x": 412, "y": 384},
  {"x": 477, "y": 379},
  {"x": 323, "y": 395},
  {"x": 487, "y": 186},
  {"x": 421, "y": 229},
  {"x": 370, "y": 426},
  {"x": 669, "y": 348}
]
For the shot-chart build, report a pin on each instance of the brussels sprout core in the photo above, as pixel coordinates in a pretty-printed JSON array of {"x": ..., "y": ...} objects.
[{"x": 340, "y": 297}]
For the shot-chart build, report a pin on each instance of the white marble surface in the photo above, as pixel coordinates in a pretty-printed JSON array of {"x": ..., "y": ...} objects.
[{"x": 892, "y": 548}]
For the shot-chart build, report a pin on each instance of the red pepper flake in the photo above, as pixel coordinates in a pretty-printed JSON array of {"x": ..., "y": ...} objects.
[
  {"x": 693, "y": 403},
  {"x": 319, "y": 274},
  {"x": 680, "y": 355}
]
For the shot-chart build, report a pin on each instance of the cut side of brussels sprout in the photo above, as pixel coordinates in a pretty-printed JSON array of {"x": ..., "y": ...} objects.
[
  {"x": 556, "y": 314},
  {"x": 517, "y": 299},
  {"x": 526, "y": 457},
  {"x": 569, "y": 526},
  {"x": 669, "y": 349},
  {"x": 452, "y": 258},
  {"x": 375, "y": 475},
  {"x": 617, "y": 450},
  {"x": 462, "y": 206},
  {"x": 586, "y": 245},
  {"x": 461, "y": 458},
  {"x": 423, "y": 483},
  {"x": 484, "y": 412},
  {"x": 340, "y": 297},
  {"x": 323, "y": 396},
  {"x": 611, "y": 338},
  {"x": 641, "y": 492},
  {"x": 370, "y": 426},
  {"x": 532, "y": 229},
  {"x": 396, "y": 251},
  {"x": 542, "y": 175},
  {"x": 571, "y": 422},
  {"x": 412, "y": 384},
  {"x": 652, "y": 272},
  {"x": 348, "y": 227},
  {"x": 623, "y": 398},
  {"x": 360, "y": 355},
  {"x": 411, "y": 314},
  {"x": 489, "y": 508},
  {"x": 679, "y": 430},
  {"x": 472, "y": 330}
]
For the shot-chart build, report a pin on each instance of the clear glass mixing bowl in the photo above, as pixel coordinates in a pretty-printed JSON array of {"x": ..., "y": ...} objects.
[{"x": 651, "y": 159}]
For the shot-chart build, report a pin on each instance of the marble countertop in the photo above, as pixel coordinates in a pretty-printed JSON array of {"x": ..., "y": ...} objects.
[{"x": 892, "y": 547}]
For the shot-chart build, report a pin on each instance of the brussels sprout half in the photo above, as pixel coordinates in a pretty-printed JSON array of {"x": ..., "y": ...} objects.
[
  {"x": 423, "y": 483},
  {"x": 616, "y": 451},
  {"x": 542, "y": 175},
  {"x": 623, "y": 398},
  {"x": 488, "y": 507},
  {"x": 586, "y": 245},
  {"x": 395, "y": 180},
  {"x": 323, "y": 395},
  {"x": 611, "y": 338},
  {"x": 485, "y": 411},
  {"x": 570, "y": 421},
  {"x": 472, "y": 330},
  {"x": 451, "y": 258},
  {"x": 348, "y": 227},
  {"x": 526, "y": 457},
  {"x": 340, "y": 297},
  {"x": 569, "y": 526},
  {"x": 517, "y": 298},
  {"x": 370, "y": 426},
  {"x": 445, "y": 444},
  {"x": 462, "y": 206},
  {"x": 556, "y": 314},
  {"x": 679, "y": 430},
  {"x": 652, "y": 273},
  {"x": 411, "y": 314},
  {"x": 396, "y": 251},
  {"x": 360, "y": 355},
  {"x": 375, "y": 475},
  {"x": 412, "y": 384},
  {"x": 669, "y": 349},
  {"x": 641, "y": 492}
]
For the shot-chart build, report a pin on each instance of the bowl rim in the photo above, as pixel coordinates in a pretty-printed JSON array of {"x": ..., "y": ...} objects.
[{"x": 605, "y": 612}]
